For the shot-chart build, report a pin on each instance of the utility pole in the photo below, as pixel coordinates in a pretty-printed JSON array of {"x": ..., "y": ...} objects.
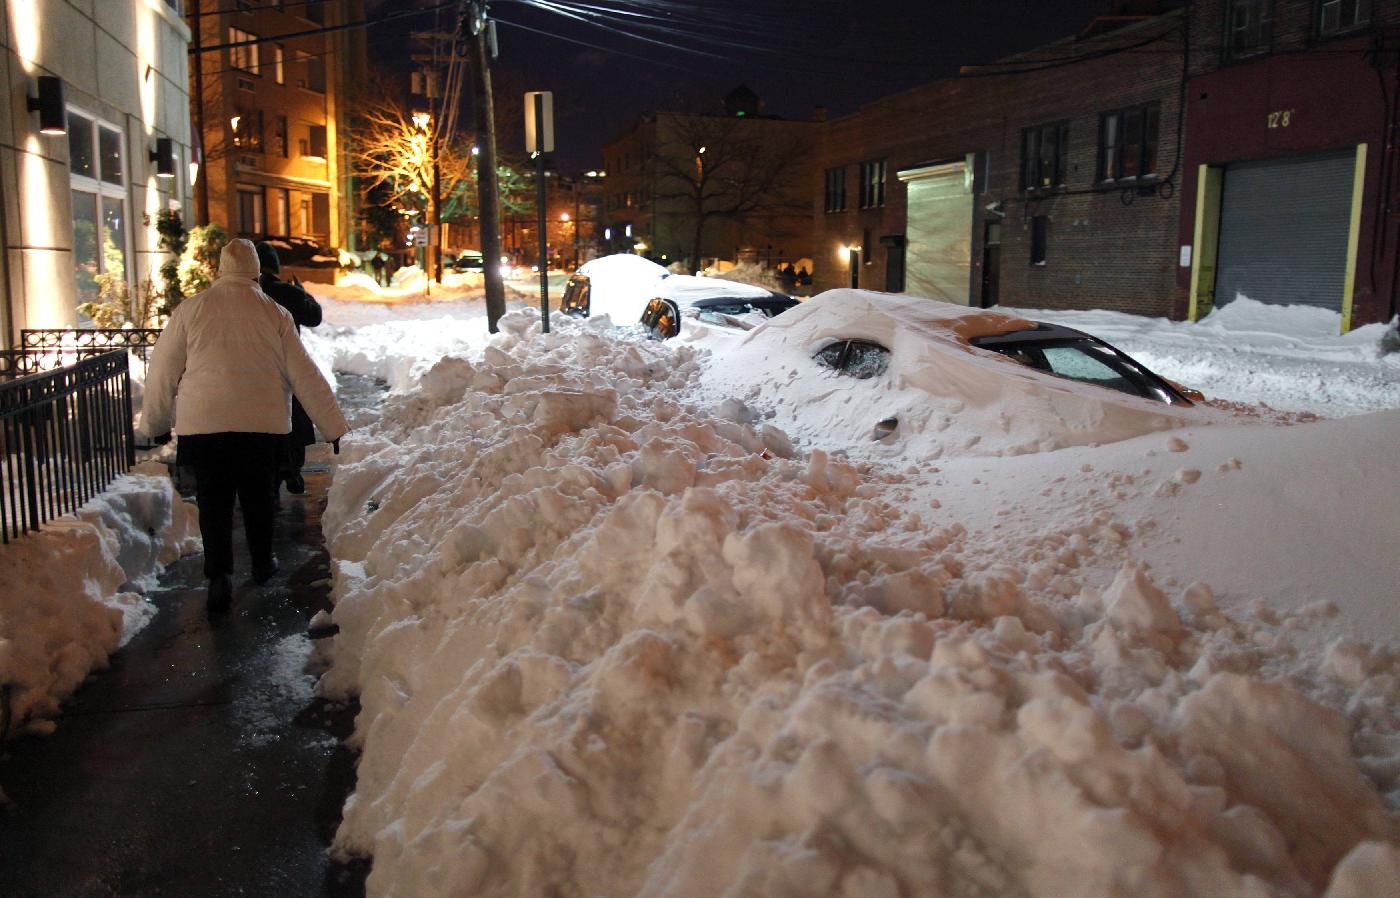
[
  {"x": 202, "y": 186},
  {"x": 474, "y": 24}
]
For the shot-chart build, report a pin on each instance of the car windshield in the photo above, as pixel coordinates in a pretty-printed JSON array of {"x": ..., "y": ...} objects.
[{"x": 1086, "y": 361}]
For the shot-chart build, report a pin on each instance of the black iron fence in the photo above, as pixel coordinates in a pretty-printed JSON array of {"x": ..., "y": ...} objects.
[
  {"x": 64, "y": 436},
  {"x": 52, "y": 348}
]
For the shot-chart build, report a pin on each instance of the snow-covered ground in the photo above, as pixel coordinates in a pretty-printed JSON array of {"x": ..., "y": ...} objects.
[
  {"x": 67, "y": 592},
  {"x": 614, "y": 635}
]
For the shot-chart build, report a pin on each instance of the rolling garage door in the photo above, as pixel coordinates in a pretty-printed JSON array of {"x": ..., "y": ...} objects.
[
  {"x": 938, "y": 248},
  {"x": 1283, "y": 230}
]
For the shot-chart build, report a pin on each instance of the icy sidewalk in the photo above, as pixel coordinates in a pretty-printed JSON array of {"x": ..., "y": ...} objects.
[{"x": 199, "y": 764}]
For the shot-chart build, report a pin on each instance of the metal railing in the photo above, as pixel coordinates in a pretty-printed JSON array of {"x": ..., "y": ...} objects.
[
  {"x": 64, "y": 436},
  {"x": 52, "y": 348}
]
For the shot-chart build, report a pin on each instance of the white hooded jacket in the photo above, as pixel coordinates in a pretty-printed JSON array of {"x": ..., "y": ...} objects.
[{"x": 230, "y": 360}]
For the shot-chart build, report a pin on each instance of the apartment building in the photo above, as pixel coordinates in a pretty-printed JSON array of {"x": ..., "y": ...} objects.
[{"x": 269, "y": 103}]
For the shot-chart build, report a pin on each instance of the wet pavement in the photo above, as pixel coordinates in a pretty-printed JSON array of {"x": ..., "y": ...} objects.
[{"x": 200, "y": 764}]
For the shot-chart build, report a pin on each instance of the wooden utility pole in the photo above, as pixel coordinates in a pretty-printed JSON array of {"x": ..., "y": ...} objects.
[{"x": 489, "y": 196}]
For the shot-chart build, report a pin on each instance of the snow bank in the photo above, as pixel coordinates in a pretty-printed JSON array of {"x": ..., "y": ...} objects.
[
  {"x": 609, "y": 642},
  {"x": 67, "y": 596},
  {"x": 948, "y": 398},
  {"x": 1294, "y": 358}
]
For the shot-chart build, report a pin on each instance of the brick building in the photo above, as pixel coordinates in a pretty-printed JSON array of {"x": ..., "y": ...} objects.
[
  {"x": 744, "y": 174},
  {"x": 1049, "y": 179},
  {"x": 271, "y": 115},
  {"x": 1289, "y": 189}
]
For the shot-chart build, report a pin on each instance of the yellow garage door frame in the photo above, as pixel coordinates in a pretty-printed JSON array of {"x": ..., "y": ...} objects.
[{"x": 1206, "y": 238}]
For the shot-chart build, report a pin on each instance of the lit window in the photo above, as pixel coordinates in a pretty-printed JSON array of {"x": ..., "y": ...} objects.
[
  {"x": 1128, "y": 143},
  {"x": 246, "y": 56},
  {"x": 96, "y": 174},
  {"x": 278, "y": 71}
]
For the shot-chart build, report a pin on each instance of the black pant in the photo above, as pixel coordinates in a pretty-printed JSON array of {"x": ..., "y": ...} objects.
[{"x": 228, "y": 466}]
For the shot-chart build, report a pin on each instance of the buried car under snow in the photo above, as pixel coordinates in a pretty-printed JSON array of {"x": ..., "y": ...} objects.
[
  {"x": 625, "y": 287},
  {"x": 857, "y": 366}
]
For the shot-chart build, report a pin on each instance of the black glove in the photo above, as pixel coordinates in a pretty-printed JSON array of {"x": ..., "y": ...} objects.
[{"x": 335, "y": 445}]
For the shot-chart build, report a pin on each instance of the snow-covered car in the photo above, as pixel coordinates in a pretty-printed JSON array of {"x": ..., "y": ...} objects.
[
  {"x": 469, "y": 260},
  {"x": 864, "y": 365},
  {"x": 622, "y": 286}
]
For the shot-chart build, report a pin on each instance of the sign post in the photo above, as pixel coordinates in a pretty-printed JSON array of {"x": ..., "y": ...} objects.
[{"x": 539, "y": 139}]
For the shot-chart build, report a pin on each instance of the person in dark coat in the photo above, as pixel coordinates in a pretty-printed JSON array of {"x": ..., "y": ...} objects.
[
  {"x": 376, "y": 262},
  {"x": 305, "y": 311}
]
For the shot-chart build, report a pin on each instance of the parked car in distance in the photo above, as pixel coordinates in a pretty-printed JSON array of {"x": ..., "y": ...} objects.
[{"x": 469, "y": 260}]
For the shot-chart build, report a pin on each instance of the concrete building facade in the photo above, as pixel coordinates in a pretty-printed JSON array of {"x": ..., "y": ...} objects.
[
  {"x": 269, "y": 103},
  {"x": 81, "y": 202},
  {"x": 1050, "y": 179}
]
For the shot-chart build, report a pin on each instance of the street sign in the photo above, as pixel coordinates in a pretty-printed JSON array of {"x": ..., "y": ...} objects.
[
  {"x": 539, "y": 107},
  {"x": 420, "y": 237}
]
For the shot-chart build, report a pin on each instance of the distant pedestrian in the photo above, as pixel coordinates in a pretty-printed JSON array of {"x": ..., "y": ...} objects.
[
  {"x": 376, "y": 262},
  {"x": 306, "y": 312},
  {"x": 222, "y": 375},
  {"x": 788, "y": 276},
  {"x": 804, "y": 277}
]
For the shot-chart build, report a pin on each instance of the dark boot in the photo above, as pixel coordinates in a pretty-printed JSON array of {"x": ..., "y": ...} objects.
[
  {"x": 296, "y": 484},
  {"x": 220, "y": 594},
  {"x": 265, "y": 571}
]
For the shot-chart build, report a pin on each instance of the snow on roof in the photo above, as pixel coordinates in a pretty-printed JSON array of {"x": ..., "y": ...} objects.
[{"x": 948, "y": 397}]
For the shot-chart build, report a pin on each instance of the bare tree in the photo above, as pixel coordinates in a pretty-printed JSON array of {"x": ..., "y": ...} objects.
[{"x": 712, "y": 168}]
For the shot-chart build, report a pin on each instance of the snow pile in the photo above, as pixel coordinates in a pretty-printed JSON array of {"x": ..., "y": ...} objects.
[
  {"x": 609, "y": 642},
  {"x": 947, "y": 397},
  {"x": 1293, "y": 358},
  {"x": 67, "y": 596},
  {"x": 407, "y": 285}
]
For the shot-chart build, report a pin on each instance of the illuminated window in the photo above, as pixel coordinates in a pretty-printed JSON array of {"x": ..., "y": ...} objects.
[
  {"x": 872, "y": 184},
  {"x": 246, "y": 56},
  {"x": 248, "y": 130},
  {"x": 1128, "y": 143},
  {"x": 1249, "y": 27},
  {"x": 97, "y": 176},
  {"x": 835, "y": 190},
  {"x": 1340, "y": 16},
  {"x": 278, "y": 60},
  {"x": 1043, "y": 151}
]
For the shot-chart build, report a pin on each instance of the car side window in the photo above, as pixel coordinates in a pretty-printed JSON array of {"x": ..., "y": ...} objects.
[
  {"x": 1076, "y": 363},
  {"x": 866, "y": 360},
  {"x": 830, "y": 356}
]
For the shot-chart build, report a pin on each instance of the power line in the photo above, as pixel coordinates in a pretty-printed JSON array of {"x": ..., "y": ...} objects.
[{"x": 328, "y": 29}]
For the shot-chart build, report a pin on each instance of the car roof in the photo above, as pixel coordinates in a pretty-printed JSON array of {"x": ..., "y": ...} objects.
[{"x": 1042, "y": 332}]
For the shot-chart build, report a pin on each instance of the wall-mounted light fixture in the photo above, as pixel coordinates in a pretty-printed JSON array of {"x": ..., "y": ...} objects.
[
  {"x": 164, "y": 157},
  {"x": 53, "y": 117}
]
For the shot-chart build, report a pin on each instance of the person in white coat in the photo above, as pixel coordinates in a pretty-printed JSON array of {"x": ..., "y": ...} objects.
[{"x": 222, "y": 376}]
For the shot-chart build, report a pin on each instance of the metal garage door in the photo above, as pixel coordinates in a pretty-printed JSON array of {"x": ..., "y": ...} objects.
[
  {"x": 938, "y": 248},
  {"x": 1283, "y": 230}
]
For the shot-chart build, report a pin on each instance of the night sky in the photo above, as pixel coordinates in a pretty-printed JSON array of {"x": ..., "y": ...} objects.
[{"x": 795, "y": 54}]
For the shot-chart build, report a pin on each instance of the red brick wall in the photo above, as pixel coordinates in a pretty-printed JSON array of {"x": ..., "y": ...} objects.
[{"x": 1101, "y": 252}]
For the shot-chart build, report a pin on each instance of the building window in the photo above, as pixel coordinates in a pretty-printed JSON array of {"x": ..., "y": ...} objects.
[
  {"x": 251, "y": 221},
  {"x": 278, "y": 58},
  {"x": 1040, "y": 233},
  {"x": 315, "y": 142},
  {"x": 279, "y": 136},
  {"x": 872, "y": 184},
  {"x": 1249, "y": 27},
  {"x": 315, "y": 73},
  {"x": 321, "y": 214},
  {"x": 1128, "y": 143},
  {"x": 1043, "y": 152},
  {"x": 248, "y": 130},
  {"x": 304, "y": 218},
  {"x": 97, "y": 176},
  {"x": 1341, "y": 16},
  {"x": 836, "y": 190},
  {"x": 280, "y": 223},
  {"x": 245, "y": 57}
]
